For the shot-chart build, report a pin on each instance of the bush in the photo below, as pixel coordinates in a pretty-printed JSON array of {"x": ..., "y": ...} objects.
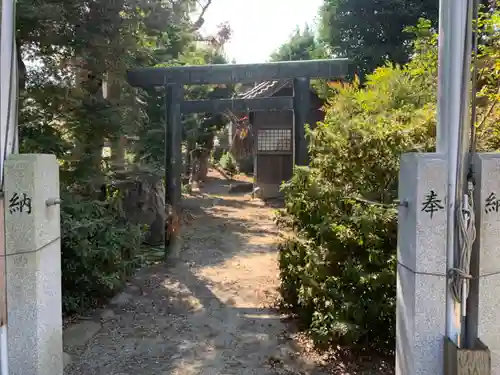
[
  {"x": 228, "y": 163},
  {"x": 98, "y": 251},
  {"x": 338, "y": 272}
]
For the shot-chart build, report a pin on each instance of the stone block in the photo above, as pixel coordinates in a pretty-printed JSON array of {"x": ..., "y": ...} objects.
[
  {"x": 67, "y": 359},
  {"x": 487, "y": 262},
  {"x": 80, "y": 333},
  {"x": 34, "y": 312},
  {"x": 269, "y": 191},
  {"x": 421, "y": 279},
  {"x": 420, "y": 323},
  {"x": 33, "y": 265},
  {"x": 29, "y": 223},
  {"x": 488, "y": 210},
  {"x": 488, "y": 318},
  {"x": 422, "y": 224}
]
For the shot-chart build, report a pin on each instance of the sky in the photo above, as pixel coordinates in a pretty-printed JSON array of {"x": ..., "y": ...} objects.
[{"x": 259, "y": 26}]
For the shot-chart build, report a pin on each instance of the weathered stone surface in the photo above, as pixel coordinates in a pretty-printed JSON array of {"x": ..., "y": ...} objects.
[
  {"x": 121, "y": 299},
  {"x": 144, "y": 202},
  {"x": 80, "y": 333},
  {"x": 29, "y": 223},
  {"x": 67, "y": 359},
  {"x": 240, "y": 187},
  {"x": 108, "y": 314},
  {"x": 33, "y": 265},
  {"x": 421, "y": 280},
  {"x": 487, "y": 265}
]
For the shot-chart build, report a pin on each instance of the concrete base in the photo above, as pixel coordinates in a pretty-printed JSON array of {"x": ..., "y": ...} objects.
[
  {"x": 475, "y": 361},
  {"x": 421, "y": 280}
]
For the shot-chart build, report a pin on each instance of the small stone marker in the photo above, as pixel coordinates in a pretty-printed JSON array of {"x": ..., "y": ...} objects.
[
  {"x": 33, "y": 265},
  {"x": 421, "y": 281},
  {"x": 80, "y": 333},
  {"x": 67, "y": 359}
]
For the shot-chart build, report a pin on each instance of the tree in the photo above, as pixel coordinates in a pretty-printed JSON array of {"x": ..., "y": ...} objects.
[
  {"x": 198, "y": 129},
  {"x": 74, "y": 97},
  {"x": 302, "y": 45},
  {"x": 373, "y": 32},
  {"x": 82, "y": 44}
]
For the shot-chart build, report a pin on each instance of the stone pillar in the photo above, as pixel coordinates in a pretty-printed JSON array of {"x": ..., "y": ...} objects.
[
  {"x": 484, "y": 297},
  {"x": 421, "y": 280},
  {"x": 33, "y": 265}
]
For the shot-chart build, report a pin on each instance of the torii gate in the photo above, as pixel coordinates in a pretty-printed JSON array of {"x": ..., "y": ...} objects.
[{"x": 174, "y": 78}]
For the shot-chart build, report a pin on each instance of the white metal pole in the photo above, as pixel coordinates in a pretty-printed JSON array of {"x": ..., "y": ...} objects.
[
  {"x": 443, "y": 126},
  {"x": 443, "y": 75},
  {"x": 464, "y": 161},
  {"x": 8, "y": 67},
  {"x": 451, "y": 131},
  {"x": 8, "y": 144}
]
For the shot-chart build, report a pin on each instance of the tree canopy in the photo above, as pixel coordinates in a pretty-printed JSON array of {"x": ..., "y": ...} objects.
[
  {"x": 82, "y": 50},
  {"x": 302, "y": 45},
  {"x": 373, "y": 32}
]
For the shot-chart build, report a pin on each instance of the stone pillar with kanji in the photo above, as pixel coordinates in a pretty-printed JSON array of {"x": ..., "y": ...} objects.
[
  {"x": 421, "y": 272},
  {"x": 484, "y": 297},
  {"x": 33, "y": 265}
]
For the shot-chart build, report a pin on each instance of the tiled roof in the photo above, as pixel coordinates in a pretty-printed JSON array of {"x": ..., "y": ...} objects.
[{"x": 263, "y": 89}]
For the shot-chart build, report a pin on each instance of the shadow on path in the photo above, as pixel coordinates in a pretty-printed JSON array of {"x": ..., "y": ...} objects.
[{"x": 207, "y": 313}]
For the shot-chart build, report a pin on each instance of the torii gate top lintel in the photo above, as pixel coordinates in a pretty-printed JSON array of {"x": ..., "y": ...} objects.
[{"x": 237, "y": 73}]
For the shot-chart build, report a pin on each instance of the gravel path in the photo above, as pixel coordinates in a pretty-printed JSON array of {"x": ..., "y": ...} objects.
[{"x": 209, "y": 312}]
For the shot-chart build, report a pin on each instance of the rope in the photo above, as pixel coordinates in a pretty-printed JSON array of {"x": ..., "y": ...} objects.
[{"x": 438, "y": 274}]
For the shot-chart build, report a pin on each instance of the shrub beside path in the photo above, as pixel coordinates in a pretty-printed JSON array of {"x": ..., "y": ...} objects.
[{"x": 209, "y": 312}]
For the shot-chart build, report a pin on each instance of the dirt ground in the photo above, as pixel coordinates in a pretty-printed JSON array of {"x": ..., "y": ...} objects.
[{"x": 209, "y": 312}]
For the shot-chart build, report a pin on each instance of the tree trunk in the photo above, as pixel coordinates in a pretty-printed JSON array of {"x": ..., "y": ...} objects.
[
  {"x": 191, "y": 145},
  {"x": 203, "y": 164},
  {"x": 195, "y": 176},
  {"x": 204, "y": 158}
]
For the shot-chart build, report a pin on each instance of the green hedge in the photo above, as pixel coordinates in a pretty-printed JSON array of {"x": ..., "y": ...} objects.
[
  {"x": 98, "y": 251},
  {"x": 338, "y": 272}
]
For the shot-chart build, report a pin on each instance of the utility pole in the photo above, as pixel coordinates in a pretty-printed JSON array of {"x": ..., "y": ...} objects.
[{"x": 455, "y": 39}]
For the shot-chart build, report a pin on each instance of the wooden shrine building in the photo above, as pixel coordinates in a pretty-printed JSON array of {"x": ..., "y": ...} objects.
[{"x": 273, "y": 134}]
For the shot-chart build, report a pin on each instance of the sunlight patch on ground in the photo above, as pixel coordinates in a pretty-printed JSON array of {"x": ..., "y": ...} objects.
[
  {"x": 191, "y": 364},
  {"x": 264, "y": 239},
  {"x": 259, "y": 316},
  {"x": 246, "y": 272},
  {"x": 184, "y": 295}
]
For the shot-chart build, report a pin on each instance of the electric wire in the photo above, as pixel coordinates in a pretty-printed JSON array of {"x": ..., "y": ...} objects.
[{"x": 460, "y": 276}]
